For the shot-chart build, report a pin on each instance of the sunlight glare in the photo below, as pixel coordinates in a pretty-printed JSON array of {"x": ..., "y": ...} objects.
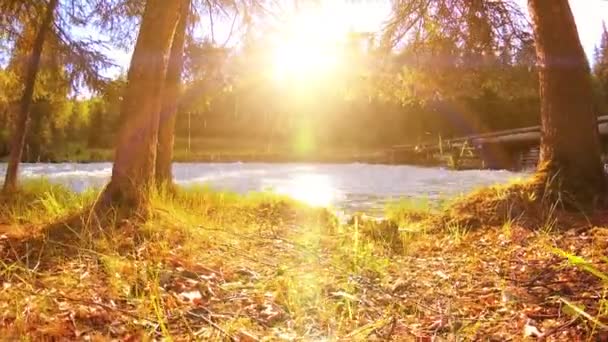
[
  {"x": 309, "y": 47},
  {"x": 313, "y": 189},
  {"x": 301, "y": 61}
]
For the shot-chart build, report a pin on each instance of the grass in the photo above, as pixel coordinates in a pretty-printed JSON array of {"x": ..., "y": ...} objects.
[{"x": 219, "y": 266}]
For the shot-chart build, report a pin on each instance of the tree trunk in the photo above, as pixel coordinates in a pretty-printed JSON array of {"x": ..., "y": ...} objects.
[
  {"x": 135, "y": 159},
  {"x": 166, "y": 133},
  {"x": 570, "y": 157},
  {"x": 21, "y": 122}
]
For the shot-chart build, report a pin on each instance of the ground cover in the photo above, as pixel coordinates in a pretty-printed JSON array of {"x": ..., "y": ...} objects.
[{"x": 218, "y": 266}]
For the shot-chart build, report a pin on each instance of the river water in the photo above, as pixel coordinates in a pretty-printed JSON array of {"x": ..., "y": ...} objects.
[{"x": 345, "y": 187}]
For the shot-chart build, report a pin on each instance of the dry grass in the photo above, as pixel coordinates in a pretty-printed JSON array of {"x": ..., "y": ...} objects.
[
  {"x": 528, "y": 203},
  {"x": 217, "y": 266}
]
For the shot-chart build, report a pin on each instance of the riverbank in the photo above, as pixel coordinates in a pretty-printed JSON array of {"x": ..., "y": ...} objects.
[
  {"x": 210, "y": 150},
  {"x": 218, "y": 151},
  {"x": 183, "y": 156},
  {"x": 214, "y": 266},
  {"x": 223, "y": 150},
  {"x": 332, "y": 157}
]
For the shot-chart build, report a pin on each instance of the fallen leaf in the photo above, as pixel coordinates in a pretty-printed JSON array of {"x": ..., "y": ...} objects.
[
  {"x": 531, "y": 331},
  {"x": 190, "y": 296},
  {"x": 399, "y": 286},
  {"x": 441, "y": 275},
  {"x": 244, "y": 336}
]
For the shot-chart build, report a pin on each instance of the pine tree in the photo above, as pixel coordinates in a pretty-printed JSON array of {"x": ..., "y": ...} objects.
[
  {"x": 133, "y": 172},
  {"x": 97, "y": 125},
  {"x": 570, "y": 145},
  {"x": 31, "y": 72},
  {"x": 600, "y": 69},
  {"x": 171, "y": 94},
  {"x": 35, "y": 28}
]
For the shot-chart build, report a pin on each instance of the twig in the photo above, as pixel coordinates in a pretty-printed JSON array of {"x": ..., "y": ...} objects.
[
  {"x": 107, "y": 307},
  {"x": 215, "y": 326},
  {"x": 211, "y": 24},
  {"x": 231, "y": 30},
  {"x": 557, "y": 329},
  {"x": 86, "y": 302},
  {"x": 392, "y": 329},
  {"x": 584, "y": 314}
]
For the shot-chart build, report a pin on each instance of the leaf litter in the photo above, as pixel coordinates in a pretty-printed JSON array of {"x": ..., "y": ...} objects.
[{"x": 303, "y": 279}]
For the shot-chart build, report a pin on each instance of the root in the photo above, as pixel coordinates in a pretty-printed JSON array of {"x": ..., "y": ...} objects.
[
  {"x": 107, "y": 211},
  {"x": 574, "y": 189}
]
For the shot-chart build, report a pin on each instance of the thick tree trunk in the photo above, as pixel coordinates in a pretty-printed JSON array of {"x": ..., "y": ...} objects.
[
  {"x": 166, "y": 133},
  {"x": 135, "y": 159},
  {"x": 21, "y": 122},
  {"x": 570, "y": 148}
]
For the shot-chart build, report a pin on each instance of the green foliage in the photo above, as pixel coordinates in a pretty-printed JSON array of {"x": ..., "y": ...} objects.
[
  {"x": 371, "y": 101},
  {"x": 583, "y": 264},
  {"x": 600, "y": 72},
  {"x": 78, "y": 121},
  {"x": 62, "y": 128},
  {"x": 9, "y": 86},
  {"x": 578, "y": 311}
]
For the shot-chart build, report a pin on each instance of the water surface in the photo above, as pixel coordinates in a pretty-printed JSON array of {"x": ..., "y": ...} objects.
[{"x": 345, "y": 187}]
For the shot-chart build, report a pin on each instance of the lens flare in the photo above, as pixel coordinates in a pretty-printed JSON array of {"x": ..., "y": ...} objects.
[
  {"x": 312, "y": 189},
  {"x": 309, "y": 47}
]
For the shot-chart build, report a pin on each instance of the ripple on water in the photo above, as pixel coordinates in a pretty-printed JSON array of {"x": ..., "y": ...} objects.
[{"x": 345, "y": 187}]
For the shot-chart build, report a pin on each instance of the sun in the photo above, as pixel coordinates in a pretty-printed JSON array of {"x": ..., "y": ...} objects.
[
  {"x": 309, "y": 46},
  {"x": 296, "y": 60}
]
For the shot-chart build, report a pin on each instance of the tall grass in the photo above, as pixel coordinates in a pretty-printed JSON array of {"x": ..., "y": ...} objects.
[
  {"x": 40, "y": 201},
  {"x": 402, "y": 212}
]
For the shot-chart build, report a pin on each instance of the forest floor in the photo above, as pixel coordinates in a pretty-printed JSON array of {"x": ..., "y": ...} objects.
[{"x": 217, "y": 266}]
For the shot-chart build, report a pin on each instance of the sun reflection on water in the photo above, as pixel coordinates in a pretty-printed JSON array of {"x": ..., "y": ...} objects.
[{"x": 312, "y": 189}]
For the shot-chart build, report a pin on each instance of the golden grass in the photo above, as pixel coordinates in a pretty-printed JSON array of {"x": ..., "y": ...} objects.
[{"x": 219, "y": 266}]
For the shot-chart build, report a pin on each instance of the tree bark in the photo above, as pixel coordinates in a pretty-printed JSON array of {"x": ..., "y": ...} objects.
[
  {"x": 166, "y": 133},
  {"x": 570, "y": 159},
  {"x": 21, "y": 122},
  {"x": 135, "y": 159}
]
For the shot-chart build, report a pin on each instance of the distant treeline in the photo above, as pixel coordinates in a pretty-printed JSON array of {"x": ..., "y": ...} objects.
[{"x": 373, "y": 101}]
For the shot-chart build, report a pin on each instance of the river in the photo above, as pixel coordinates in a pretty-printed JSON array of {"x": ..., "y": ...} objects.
[{"x": 345, "y": 187}]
